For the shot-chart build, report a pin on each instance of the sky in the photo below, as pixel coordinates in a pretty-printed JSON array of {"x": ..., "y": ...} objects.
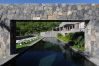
[{"x": 47, "y": 1}]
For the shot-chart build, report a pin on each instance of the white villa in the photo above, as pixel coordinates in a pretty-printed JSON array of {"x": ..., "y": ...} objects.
[
  {"x": 64, "y": 28},
  {"x": 67, "y": 27}
]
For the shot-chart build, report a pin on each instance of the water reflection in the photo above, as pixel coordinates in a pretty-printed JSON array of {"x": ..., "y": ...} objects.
[
  {"x": 46, "y": 62},
  {"x": 53, "y": 40},
  {"x": 49, "y": 54}
]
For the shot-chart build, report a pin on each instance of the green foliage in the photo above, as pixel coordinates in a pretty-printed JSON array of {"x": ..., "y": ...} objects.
[
  {"x": 59, "y": 35},
  {"x": 66, "y": 38},
  {"x": 26, "y": 28},
  {"x": 77, "y": 38}
]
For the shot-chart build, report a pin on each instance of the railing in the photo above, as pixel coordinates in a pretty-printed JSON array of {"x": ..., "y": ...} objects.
[
  {"x": 27, "y": 42},
  {"x": 49, "y": 34},
  {"x": 23, "y": 37},
  {"x": 22, "y": 40},
  {"x": 72, "y": 30},
  {"x": 54, "y": 33}
]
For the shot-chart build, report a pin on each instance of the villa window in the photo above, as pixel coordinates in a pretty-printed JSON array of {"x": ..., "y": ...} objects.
[{"x": 73, "y": 26}]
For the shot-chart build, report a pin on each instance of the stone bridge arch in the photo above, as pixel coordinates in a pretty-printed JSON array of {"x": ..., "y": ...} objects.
[{"x": 10, "y": 12}]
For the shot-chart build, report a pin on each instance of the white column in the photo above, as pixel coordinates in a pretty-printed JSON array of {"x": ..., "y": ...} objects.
[
  {"x": 69, "y": 28},
  {"x": 77, "y": 26}
]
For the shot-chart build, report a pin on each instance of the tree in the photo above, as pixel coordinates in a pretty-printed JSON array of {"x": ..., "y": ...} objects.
[{"x": 25, "y": 28}]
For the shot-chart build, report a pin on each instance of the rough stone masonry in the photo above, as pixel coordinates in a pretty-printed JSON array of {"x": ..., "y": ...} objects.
[{"x": 89, "y": 12}]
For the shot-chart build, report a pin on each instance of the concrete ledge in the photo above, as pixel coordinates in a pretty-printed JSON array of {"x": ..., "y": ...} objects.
[
  {"x": 4, "y": 60},
  {"x": 94, "y": 60},
  {"x": 90, "y": 58}
]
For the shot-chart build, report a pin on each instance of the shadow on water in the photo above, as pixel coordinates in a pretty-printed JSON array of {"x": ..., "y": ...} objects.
[{"x": 48, "y": 54}]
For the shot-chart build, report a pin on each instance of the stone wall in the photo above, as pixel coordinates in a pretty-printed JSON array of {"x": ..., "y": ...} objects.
[
  {"x": 4, "y": 38},
  {"x": 51, "y": 12}
]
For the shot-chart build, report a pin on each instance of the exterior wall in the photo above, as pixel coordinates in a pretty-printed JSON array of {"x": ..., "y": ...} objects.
[
  {"x": 49, "y": 34},
  {"x": 76, "y": 26},
  {"x": 50, "y": 12},
  {"x": 42, "y": 34},
  {"x": 4, "y": 39},
  {"x": 88, "y": 31},
  {"x": 92, "y": 38},
  {"x": 94, "y": 45},
  {"x": 82, "y": 25}
]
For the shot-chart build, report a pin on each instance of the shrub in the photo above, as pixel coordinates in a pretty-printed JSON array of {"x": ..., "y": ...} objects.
[
  {"x": 59, "y": 35},
  {"x": 75, "y": 40},
  {"x": 78, "y": 38},
  {"x": 66, "y": 38}
]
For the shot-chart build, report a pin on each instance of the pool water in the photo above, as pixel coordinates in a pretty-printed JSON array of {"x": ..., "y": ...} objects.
[{"x": 48, "y": 54}]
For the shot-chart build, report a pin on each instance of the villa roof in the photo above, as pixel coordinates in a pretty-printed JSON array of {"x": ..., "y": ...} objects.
[{"x": 64, "y": 23}]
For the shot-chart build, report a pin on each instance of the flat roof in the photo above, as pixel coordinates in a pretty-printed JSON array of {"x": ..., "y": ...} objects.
[{"x": 64, "y": 23}]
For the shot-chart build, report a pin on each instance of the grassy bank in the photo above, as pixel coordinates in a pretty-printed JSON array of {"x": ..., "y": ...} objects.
[
  {"x": 26, "y": 43},
  {"x": 75, "y": 40}
]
